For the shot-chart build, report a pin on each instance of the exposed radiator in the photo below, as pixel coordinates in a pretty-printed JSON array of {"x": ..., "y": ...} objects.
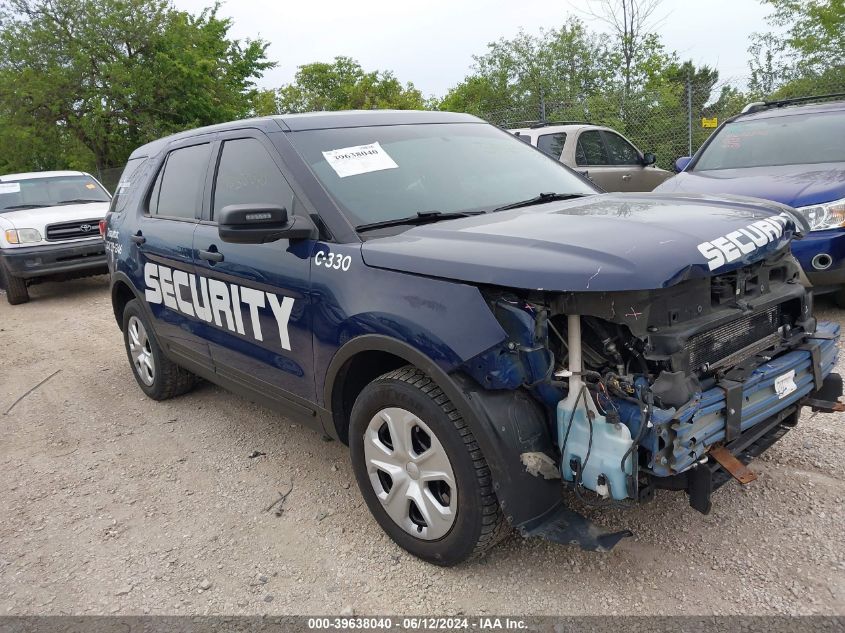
[{"x": 733, "y": 342}]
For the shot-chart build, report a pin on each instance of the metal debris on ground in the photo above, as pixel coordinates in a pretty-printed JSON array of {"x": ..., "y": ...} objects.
[
  {"x": 739, "y": 471},
  {"x": 280, "y": 502},
  {"x": 12, "y": 406}
]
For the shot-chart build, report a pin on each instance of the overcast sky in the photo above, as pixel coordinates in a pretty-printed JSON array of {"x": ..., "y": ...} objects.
[{"x": 431, "y": 42}]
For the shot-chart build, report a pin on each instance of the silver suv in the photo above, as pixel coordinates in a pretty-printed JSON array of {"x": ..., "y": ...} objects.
[{"x": 605, "y": 156}]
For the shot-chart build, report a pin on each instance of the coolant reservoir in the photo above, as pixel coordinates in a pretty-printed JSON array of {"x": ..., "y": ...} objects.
[{"x": 609, "y": 443}]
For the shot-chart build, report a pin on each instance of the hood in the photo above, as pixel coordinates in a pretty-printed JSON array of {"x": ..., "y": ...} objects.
[
  {"x": 42, "y": 216},
  {"x": 795, "y": 185},
  {"x": 606, "y": 242}
]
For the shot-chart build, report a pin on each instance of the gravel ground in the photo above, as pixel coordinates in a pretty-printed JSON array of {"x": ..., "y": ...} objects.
[{"x": 113, "y": 503}]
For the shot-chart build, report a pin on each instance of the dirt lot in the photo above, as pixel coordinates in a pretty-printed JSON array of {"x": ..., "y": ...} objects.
[{"x": 113, "y": 503}]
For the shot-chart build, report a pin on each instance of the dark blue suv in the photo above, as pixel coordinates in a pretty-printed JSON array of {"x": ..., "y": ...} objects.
[
  {"x": 481, "y": 327},
  {"x": 790, "y": 153}
]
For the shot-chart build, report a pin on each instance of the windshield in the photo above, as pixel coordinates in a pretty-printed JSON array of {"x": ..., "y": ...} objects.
[
  {"x": 31, "y": 193},
  {"x": 387, "y": 172},
  {"x": 795, "y": 139}
]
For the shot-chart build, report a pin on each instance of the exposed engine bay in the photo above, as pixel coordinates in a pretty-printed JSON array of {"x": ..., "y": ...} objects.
[{"x": 641, "y": 388}]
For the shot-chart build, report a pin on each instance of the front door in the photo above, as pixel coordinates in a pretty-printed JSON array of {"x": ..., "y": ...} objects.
[
  {"x": 259, "y": 316},
  {"x": 591, "y": 158},
  {"x": 627, "y": 164}
]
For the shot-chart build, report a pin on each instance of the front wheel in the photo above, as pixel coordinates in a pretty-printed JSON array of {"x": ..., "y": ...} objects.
[
  {"x": 16, "y": 292},
  {"x": 421, "y": 471}
]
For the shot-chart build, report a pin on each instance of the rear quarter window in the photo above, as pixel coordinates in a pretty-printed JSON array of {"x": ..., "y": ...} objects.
[
  {"x": 552, "y": 144},
  {"x": 130, "y": 181}
]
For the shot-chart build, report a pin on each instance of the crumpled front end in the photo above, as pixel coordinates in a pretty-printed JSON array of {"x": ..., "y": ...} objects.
[
  {"x": 677, "y": 442},
  {"x": 673, "y": 388}
]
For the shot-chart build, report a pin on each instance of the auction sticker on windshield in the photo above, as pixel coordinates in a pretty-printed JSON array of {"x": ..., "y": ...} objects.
[{"x": 360, "y": 159}]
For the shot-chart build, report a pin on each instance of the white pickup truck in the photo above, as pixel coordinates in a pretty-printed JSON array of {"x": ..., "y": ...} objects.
[{"x": 49, "y": 229}]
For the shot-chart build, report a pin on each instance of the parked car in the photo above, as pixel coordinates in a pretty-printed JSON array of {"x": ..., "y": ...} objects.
[
  {"x": 49, "y": 229},
  {"x": 471, "y": 317},
  {"x": 600, "y": 153},
  {"x": 792, "y": 152}
]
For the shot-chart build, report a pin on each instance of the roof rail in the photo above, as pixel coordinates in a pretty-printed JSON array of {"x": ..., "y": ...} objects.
[
  {"x": 547, "y": 123},
  {"x": 523, "y": 124},
  {"x": 758, "y": 106}
]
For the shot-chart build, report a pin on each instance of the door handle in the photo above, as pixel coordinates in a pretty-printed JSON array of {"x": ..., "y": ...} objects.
[
  {"x": 138, "y": 238},
  {"x": 626, "y": 177},
  {"x": 211, "y": 256}
]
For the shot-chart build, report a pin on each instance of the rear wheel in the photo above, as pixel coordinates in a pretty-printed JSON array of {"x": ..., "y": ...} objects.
[
  {"x": 839, "y": 297},
  {"x": 16, "y": 292},
  {"x": 157, "y": 375},
  {"x": 421, "y": 471}
]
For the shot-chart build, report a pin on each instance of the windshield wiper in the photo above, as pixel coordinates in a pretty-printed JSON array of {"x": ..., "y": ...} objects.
[
  {"x": 22, "y": 206},
  {"x": 542, "y": 198},
  {"x": 79, "y": 201},
  {"x": 421, "y": 217}
]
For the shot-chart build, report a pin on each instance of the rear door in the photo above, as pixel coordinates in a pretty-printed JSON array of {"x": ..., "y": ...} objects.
[
  {"x": 260, "y": 331},
  {"x": 163, "y": 243}
]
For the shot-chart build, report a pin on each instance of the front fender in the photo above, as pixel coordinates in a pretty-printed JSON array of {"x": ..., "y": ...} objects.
[
  {"x": 505, "y": 423},
  {"x": 445, "y": 321}
]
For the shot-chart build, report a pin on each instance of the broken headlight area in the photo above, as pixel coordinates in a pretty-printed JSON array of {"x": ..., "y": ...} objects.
[{"x": 643, "y": 387}]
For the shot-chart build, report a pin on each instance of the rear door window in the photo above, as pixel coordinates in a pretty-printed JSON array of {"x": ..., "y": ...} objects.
[
  {"x": 590, "y": 149},
  {"x": 176, "y": 193}
]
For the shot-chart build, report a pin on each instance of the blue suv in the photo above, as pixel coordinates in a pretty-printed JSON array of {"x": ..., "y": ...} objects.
[
  {"x": 480, "y": 326},
  {"x": 790, "y": 152}
]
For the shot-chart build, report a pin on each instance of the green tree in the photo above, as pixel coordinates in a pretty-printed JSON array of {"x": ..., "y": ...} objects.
[
  {"x": 631, "y": 23},
  {"x": 109, "y": 75},
  {"x": 807, "y": 44},
  {"x": 30, "y": 147},
  {"x": 344, "y": 85},
  {"x": 478, "y": 95},
  {"x": 559, "y": 68}
]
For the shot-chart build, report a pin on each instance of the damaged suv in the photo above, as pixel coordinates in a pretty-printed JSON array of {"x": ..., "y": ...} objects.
[{"x": 475, "y": 321}]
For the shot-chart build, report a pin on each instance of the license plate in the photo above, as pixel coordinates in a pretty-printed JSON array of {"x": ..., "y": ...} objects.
[{"x": 785, "y": 384}]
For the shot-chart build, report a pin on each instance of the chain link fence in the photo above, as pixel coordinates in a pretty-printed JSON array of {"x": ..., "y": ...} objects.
[
  {"x": 671, "y": 122},
  {"x": 109, "y": 177}
]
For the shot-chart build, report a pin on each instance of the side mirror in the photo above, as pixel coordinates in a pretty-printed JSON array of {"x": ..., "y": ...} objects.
[
  {"x": 260, "y": 223},
  {"x": 681, "y": 163},
  {"x": 649, "y": 159}
]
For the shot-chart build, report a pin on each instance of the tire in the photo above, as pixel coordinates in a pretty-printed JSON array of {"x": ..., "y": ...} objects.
[
  {"x": 460, "y": 516},
  {"x": 158, "y": 376},
  {"x": 839, "y": 298},
  {"x": 16, "y": 292}
]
